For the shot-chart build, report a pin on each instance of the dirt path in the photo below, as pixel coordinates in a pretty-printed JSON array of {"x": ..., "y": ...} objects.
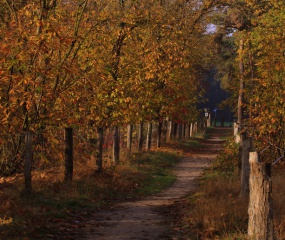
[{"x": 141, "y": 219}]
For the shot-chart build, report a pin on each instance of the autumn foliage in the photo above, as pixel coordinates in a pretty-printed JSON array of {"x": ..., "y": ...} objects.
[
  {"x": 97, "y": 64},
  {"x": 259, "y": 62}
]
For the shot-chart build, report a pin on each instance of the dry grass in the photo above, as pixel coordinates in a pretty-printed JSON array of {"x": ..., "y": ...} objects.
[
  {"x": 215, "y": 211},
  {"x": 54, "y": 204}
]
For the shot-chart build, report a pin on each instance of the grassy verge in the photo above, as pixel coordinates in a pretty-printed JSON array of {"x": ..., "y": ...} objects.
[
  {"x": 56, "y": 210},
  {"x": 215, "y": 211}
]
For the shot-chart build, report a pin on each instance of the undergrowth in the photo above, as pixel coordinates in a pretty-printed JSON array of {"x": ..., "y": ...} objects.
[{"x": 227, "y": 161}]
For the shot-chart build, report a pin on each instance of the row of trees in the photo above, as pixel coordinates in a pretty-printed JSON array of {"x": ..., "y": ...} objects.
[
  {"x": 97, "y": 64},
  {"x": 251, "y": 50},
  {"x": 251, "y": 46}
]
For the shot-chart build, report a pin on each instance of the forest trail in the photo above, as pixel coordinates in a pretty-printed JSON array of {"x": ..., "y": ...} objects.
[{"x": 143, "y": 219}]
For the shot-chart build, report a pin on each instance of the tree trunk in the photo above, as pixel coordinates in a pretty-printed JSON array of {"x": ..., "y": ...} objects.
[
  {"x": 188, "y": 130},
  {"x": 236, "y": 133},
  {"x": 164, "y": 130},
  {"x": 191, "y": 130},
  {"x": 180, "y": 129},
  {"x": 246, "y": 147},
  {"x": 208, "y": 124},
  {"x": 159, "y": 132},
  {"x": 129, "y": 138},
  {"x": 184, "y": 130},
  {"x": 260, "y": 223},
  {"x": 116, "y": 146},
  {"x": 170, "y": 130},
  {"x": 149, "y": 136},
  {"x": 241, "y": 87},
  {"x": 140, "y": 137},
  {"x": 68, "y": 140},
  {"x": 99, "y": 148},
  {"x": 28, "y": 162}
]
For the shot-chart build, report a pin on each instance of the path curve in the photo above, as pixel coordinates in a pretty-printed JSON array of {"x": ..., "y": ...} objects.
[{"x": 140, "y": 220}]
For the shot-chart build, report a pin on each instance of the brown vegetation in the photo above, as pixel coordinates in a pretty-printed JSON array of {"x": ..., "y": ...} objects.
[{"x": 215, "y": 210}]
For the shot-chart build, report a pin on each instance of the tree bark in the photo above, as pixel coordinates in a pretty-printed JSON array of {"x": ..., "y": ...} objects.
[
  {"x": 149, "y": 136},
  {"x": 246, "y": 147},
  {"x": 241, "y": 87},
  {"x": 28, "y": 162},
  {"x": 188, "y": 130},
  {"x": 68, "y": 140},
  {"x": 129, "y": 137},
  {"x": 175, "y": 127},
  {"x": 99, "y": 149},
  {"x": 184, "y": 130},
  {"x": 236, "y": 133},
  {"x": 180, "y": 130},
  {"x": 191, "y": 130},
  {"x": 260, "y": 223},
  {"x": 140, "y": 137},
  {"x": 116, "y": 146},
  {"x": 170, "y": 130},
  {"x": 208, "y": 124},
  {"x": 159, "y": 132}
]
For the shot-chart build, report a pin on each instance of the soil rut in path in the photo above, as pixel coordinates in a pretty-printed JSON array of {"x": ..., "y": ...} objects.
[{"x": 140, "y": 220}]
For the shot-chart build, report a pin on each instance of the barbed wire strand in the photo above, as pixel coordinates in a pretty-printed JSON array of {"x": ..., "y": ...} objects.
[{"x": 272, "y": 145}]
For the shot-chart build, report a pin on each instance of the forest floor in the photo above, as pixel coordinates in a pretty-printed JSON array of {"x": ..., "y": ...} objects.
[{"x": 153, "y": 217}]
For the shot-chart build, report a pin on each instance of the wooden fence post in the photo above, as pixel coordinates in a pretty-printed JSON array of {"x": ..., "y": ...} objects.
[
  {"x": 28, "y": 162},
  {"x": 68, "y": 140},
  {"x": 260, "y": 223}
]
